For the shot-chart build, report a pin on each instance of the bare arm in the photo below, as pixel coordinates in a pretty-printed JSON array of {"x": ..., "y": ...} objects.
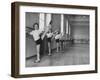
[{"x": 54, "y": 34}]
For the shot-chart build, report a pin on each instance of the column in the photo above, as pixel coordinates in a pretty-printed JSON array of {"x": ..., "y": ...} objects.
[
  {"x": 69, "y": 31},
  {"x": 62, "y": 23},
  {"x": 41, "y": 21},
  {"x": 67, "y": 26},
  {"x": 48, "y": 19}
]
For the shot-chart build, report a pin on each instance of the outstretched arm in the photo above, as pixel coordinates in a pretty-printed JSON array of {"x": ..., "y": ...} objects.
[{"x": 54, "y": 34}]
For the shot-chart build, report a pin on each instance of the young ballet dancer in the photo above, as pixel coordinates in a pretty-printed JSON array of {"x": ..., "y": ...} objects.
[
  {"x": 37, "y": 38},
  {"x": 57, "y": 37},
  {"x": 49, "y": 38},
  {"x": 65, "y": 38},
  {"x": 61, "y": 40}
]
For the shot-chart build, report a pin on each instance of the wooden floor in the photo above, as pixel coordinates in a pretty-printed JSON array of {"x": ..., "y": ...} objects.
[{"x": 75, "y": 54}]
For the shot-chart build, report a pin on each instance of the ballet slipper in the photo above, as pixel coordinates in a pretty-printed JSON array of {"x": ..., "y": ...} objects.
[
  {"x": 49, "y": 54},
  {"x": 36, "y": 61}
]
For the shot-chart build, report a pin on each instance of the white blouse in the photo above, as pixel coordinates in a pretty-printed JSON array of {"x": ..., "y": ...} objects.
[
  {"x": 36, "y": 34},
  {"x": 58, "y": 36},
  {"x": 49, "y": 35}
]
